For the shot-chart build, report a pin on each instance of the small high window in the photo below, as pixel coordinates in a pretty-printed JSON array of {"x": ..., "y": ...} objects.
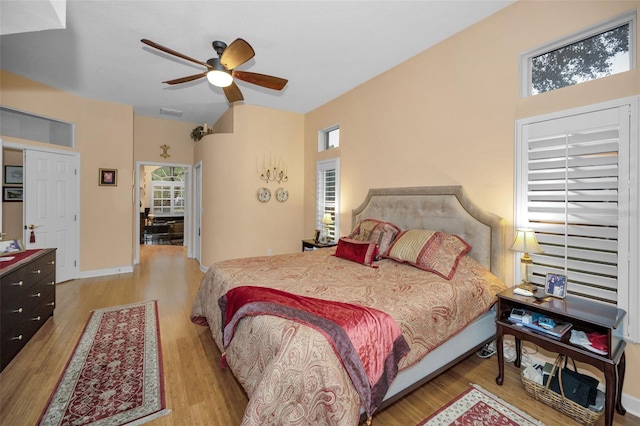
[
  {"x": 600, "y": 51},
  {"x": 329, "y": 138}
]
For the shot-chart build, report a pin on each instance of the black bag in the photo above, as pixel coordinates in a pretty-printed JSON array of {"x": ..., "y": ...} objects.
[{"x": 579, "y": 388}]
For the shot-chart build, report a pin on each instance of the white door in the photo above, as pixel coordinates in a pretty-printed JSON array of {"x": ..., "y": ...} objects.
[{"x": 51, "y": 207}]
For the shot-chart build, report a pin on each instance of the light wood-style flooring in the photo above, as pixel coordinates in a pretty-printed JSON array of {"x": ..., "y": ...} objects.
[{"x": 198, "y": 391}]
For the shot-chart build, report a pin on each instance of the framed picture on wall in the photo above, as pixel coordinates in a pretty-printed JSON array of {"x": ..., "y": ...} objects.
[
  {"x": 12, "y": 193},
  {"x": 13, "y": 174},
  {"x": 108, "y": 177}
]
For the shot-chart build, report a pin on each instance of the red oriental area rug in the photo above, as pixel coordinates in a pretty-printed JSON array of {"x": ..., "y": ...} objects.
[
  {"x": 114, "y": 376},
  {"x": 479, "y": 407}
]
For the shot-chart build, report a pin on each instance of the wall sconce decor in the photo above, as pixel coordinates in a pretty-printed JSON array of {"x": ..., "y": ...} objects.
[
  {"x": 525, "y": 242},
  {"x": 165, "y": 148},
  {"x": 274, "y": 171}
]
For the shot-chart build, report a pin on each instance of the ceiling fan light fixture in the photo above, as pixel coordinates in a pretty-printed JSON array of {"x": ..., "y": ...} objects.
[
  {"x": 218, "y": 75},
  {"x": 219, "y": 78}
]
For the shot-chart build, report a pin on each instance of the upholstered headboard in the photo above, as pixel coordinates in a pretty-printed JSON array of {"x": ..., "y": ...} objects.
[{"x": 440, "y": 208}]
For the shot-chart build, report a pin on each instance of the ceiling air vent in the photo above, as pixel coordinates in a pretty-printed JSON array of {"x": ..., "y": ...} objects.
[{"x": 168, "y": 111}]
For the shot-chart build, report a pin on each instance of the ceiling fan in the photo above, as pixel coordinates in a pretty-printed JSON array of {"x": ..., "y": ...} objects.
[{"x": 221, "y": 70}]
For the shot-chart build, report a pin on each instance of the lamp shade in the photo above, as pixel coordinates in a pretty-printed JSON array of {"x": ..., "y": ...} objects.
[
  {"x": 525, "y": 242},
  {"x": 326, "y": 219}
]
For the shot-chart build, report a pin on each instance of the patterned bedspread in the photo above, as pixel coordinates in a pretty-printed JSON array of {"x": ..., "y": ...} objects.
[{"x": 289, "y": 371}]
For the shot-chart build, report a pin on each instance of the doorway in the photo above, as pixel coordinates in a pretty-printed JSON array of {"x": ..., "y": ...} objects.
[{"x": 162, "y": 194}]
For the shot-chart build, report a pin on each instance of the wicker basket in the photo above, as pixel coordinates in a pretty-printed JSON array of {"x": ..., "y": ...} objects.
[{"x": 558, "y": 401}]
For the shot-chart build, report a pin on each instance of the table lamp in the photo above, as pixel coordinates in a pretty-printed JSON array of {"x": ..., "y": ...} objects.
[
  {"x": 525, "y": 242},
  {"x": 326, "y": 221}
]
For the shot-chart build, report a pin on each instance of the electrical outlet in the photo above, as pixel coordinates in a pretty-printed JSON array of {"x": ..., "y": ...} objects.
[{"x": 268, "y": 252}]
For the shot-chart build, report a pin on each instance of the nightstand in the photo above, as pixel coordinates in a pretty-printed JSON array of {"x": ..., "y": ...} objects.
[
  {"x": 585, "y": 315},
  {"x": 312, "y": 245}
]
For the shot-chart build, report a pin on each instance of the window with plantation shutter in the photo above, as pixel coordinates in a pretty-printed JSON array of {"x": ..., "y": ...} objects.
[
  {"x": 575, "y": 185},
  {"x": 327, "y": 195}
]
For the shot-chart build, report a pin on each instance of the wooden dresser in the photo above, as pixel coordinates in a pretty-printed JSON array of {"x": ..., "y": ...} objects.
[{"x": 27, "y": 299}]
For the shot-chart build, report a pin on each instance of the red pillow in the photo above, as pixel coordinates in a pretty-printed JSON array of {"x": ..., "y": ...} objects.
[{"x": 357, "y": 251}]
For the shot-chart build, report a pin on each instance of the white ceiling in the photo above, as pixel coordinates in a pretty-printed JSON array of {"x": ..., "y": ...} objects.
[{"x": 324, "y": 48}]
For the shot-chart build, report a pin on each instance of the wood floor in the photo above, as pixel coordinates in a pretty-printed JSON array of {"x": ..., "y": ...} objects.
[{"x": 197, "y": 391}]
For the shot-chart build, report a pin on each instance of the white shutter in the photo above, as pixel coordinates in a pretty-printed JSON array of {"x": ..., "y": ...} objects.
[
  {"x": 327, "y": 194},
  {"x": 573, "y": 196}
]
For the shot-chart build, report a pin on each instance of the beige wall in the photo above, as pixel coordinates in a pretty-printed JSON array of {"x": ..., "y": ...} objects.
[
  {"x": 105, "y": 134},
  {"x": 150, "y": 133},
  {"x": 446, "y": 116},
  {"x": 234, "y": 222}
]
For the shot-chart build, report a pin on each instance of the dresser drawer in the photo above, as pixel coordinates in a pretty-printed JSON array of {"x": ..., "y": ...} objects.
[
  {"x": 26, "y": 297},
  {"x": 20, "y": 325},
  {"x": 27, "y": 300}
]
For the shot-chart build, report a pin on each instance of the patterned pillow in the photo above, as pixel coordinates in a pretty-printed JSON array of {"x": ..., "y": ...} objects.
[
  {"x": 432, "y": 251},
  {"x": 357, "y": 251},
  {"x": 382, "y": 233}
]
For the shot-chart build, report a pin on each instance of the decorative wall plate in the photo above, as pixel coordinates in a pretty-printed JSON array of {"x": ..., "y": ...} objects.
[
  {"x": 282, "y": 195},
  {"x": 264, "y": 195}
]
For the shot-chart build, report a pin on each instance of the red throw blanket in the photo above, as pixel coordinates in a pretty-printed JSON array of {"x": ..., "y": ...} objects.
[{"x": 367, "y": 341}]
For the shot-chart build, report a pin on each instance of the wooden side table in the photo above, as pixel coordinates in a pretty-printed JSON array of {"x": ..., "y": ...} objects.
[
  {"x": 312, "y": 245},
  {"x": 585, "y": 316}
]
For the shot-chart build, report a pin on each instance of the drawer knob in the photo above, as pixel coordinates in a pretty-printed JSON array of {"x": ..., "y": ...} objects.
[
  {"x": 36, "y": 318},
  {"x": 17, "y": 311},
  {"x": 37, "y": 271},
  {"x": 51, "y": 304},
  {"x": 35, "y": 295},
  {"x": 17, "y": 337},
  {"x": 52, "y": 283},
  {"x": 18, "y": 284},
  {"x": 53, "y": 262}
]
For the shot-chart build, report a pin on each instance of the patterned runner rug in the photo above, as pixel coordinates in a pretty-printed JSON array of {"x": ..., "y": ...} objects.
[
  {"x": 479, "y": 407},
  {"x": 115, "y": 374}
]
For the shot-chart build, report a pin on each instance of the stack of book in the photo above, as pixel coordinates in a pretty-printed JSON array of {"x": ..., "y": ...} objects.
[{"x": 540, "y": 323}]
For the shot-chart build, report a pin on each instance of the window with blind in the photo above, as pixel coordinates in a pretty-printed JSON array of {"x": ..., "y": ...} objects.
[
  {"x": 575, "y": 187},
  {"x": 328, "y": 195}
]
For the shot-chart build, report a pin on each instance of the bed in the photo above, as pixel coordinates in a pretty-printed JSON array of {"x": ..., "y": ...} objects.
[{"x": 292, "y": 372}]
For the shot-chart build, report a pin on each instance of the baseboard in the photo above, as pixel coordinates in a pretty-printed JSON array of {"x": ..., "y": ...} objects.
[{"x": 105, "y": 272}]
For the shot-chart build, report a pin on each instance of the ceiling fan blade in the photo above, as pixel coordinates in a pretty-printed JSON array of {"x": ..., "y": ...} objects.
[
  {"x": 173, "y": 52},
  {"x": 237, "y": 53},
  {"x": 233, "y": 93},
  {"x": 268, "y": 81},
  {"x": 185, "y": 79}
]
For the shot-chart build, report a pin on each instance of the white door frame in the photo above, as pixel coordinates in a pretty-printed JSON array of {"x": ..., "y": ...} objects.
[
  {"x": 136, "y": 210},
  {"x": 197, "y": 212},
  {"x": 76, "y": 186}
]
